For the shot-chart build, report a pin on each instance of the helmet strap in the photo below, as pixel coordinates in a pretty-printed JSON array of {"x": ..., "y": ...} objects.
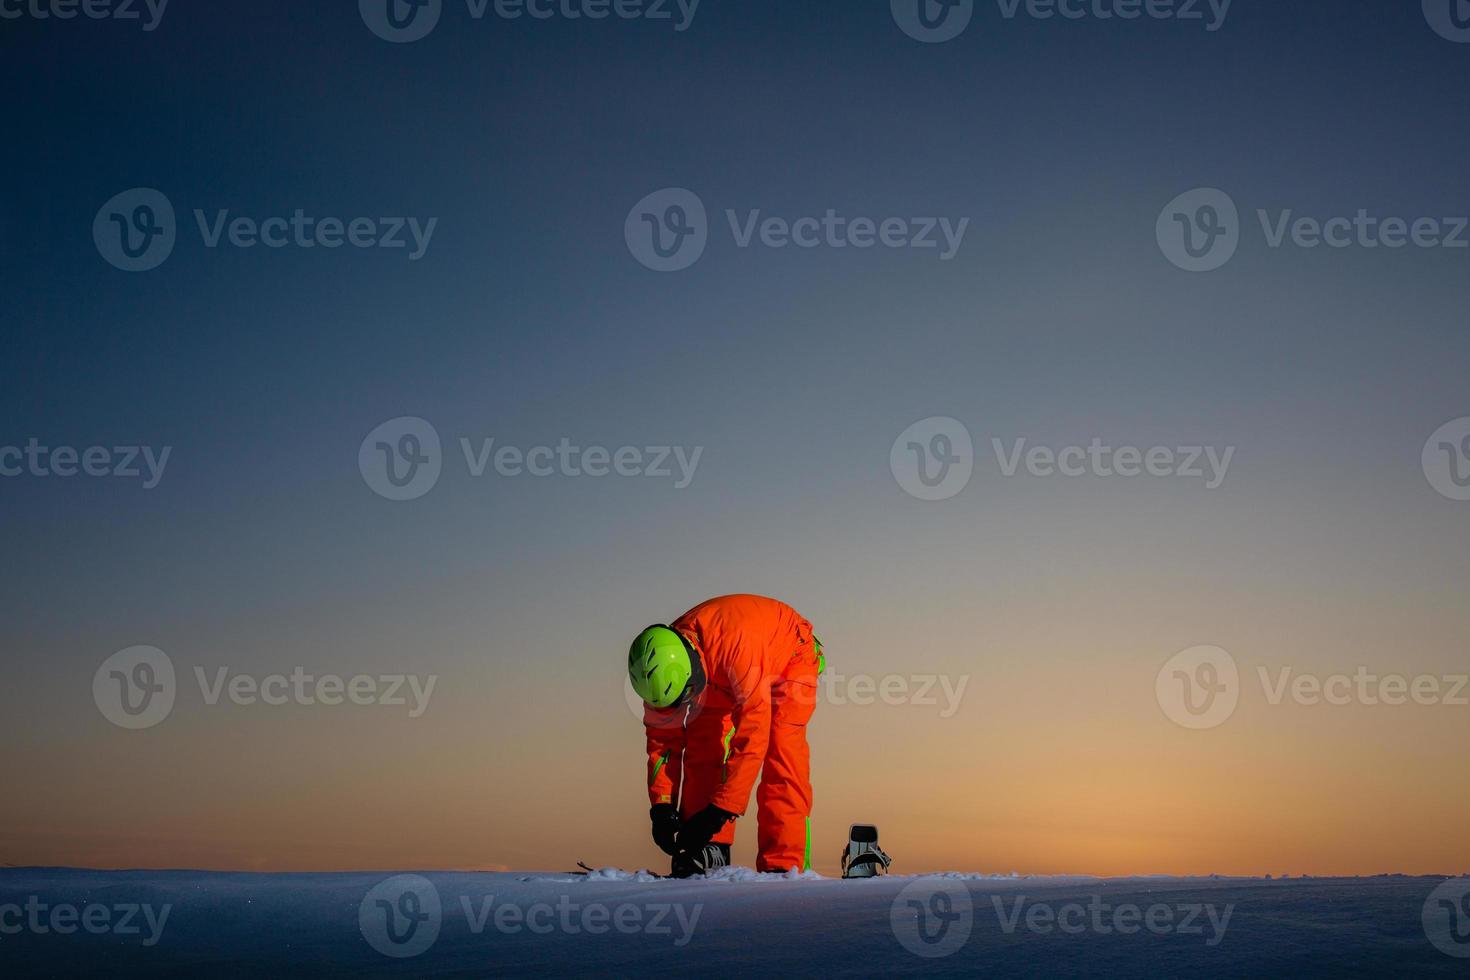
[{"x": 697, "y": 676}]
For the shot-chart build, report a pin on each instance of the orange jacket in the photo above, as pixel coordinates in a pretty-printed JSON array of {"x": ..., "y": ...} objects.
[{"x": 745, "y": 642}]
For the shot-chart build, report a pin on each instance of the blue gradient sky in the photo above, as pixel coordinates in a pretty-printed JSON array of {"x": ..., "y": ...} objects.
[{"x": 529, "y": 321}]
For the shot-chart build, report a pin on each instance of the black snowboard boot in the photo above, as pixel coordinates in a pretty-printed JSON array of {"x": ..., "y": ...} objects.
[{"x": 708, "y": 858}]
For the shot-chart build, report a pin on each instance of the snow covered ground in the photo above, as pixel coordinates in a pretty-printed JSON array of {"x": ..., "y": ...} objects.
[{"x": 181, "y": 923}]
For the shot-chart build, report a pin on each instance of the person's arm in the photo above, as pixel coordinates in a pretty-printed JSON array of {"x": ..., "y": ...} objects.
[{"x": 665, "y": 731}]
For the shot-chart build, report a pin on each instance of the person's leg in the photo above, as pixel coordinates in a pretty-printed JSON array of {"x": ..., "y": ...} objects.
[{"x": 784, "y": 799}]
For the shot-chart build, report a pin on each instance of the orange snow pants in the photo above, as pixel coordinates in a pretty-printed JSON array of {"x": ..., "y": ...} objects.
[{"x": 784, "y": 797}]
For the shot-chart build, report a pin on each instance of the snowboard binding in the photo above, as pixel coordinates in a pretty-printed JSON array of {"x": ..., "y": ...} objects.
[
  {"x": 863, "y": 858},
  {"x": 687, "y": 864}
]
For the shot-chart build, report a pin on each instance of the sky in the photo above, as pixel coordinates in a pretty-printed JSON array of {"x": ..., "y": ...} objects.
[{"x": 793, "y": 381}]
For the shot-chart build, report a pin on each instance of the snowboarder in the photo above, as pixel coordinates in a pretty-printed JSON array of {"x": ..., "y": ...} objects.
[{"x": 728, "y": 689}]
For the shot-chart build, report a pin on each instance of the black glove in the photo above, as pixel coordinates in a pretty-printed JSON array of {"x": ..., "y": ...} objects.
[
  {"x": 698, "y": 829},
  {"x": 665, "y": 819}
]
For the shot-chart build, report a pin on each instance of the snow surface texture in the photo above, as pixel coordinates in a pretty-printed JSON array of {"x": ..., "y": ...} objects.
[
  {"x": 719, "y": 874},
  {"x": 736, "y": 922}
]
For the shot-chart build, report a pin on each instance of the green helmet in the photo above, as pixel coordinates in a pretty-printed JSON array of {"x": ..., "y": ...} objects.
[{"x": 658, "y": 666}]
